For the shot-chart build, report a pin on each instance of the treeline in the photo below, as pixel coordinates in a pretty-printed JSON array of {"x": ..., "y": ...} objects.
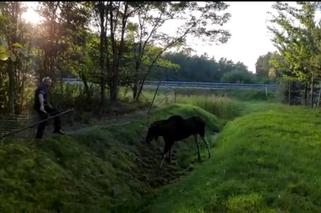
[
  {"x": 111, "y": 43},
  {"x": 297, "y": 62},
  {"x": 203, "y": 68}
]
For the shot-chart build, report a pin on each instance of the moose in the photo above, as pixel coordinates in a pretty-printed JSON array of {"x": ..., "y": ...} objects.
[{"x": 176, "y": 128}]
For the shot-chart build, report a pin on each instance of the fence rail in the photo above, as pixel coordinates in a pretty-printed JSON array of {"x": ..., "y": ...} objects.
[
  {"x": 212, "y": 86},
  {"x": 198, "y": 85}
]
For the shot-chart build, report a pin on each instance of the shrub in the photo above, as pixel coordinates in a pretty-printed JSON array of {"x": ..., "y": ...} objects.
[{"x": 236, "y": 76}]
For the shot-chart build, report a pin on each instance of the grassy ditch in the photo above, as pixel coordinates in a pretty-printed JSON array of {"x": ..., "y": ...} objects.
[
  {"x": 263, "y": 162},
  {"x": 96, "y": 169}
]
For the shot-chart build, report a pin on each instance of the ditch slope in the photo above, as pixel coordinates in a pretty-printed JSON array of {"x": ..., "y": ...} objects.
[{"x": 103, "y": 168}]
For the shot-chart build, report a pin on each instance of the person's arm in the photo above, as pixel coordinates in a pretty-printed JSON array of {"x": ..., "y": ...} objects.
[{"x": 42, "y": 105}]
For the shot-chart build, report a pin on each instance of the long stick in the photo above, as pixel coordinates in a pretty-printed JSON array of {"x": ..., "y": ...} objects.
[{"x": 34, "y": 124}]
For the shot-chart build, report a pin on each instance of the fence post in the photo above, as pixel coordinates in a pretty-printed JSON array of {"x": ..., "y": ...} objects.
[{"x": 318, "y": 103}]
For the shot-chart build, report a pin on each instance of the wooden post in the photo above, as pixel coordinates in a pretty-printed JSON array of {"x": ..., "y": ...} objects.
[{"x": 266, "y": 91}]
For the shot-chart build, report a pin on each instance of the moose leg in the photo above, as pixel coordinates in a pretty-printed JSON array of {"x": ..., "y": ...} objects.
[
  {"x": 207, "y": 146},
  {"x": 166, "y": 149},
  {"x": 198, "y": 148}
]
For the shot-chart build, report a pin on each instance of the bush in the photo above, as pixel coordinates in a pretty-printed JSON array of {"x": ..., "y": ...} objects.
[{"x": 236, "y": 76}]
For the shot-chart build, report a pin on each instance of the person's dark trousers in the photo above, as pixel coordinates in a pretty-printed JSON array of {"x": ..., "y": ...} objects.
[{"x": 42, "y": 116}]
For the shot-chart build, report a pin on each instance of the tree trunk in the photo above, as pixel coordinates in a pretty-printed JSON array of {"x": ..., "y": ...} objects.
[
  {"x": 21, "y": 93},
  {"x": 312, "y": 91},
  {"x": 12, "y": 92},
  {"x": 289, "y": 93},
  {"x": 113, "y": 92},
  {"x": 319, "y": 96},
  {"x": 117, "y": 55},
  {"x": 306, "y": 94},
  {"x": 2, "y": 92},
  {"x": 61, "y": 83},
  {"x": 112, "y": 88},
  {"x": 11, "y": 66},
  {"x": 87, "y": 92},
  {"x": 102, "y": 61},
  {"x": 134, "y": 88}
]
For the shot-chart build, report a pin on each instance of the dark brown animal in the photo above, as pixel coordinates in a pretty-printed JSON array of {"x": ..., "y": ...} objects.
[{"x": 176, "y": 128}]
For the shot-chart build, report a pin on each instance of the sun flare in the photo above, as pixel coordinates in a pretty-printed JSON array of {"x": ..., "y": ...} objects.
[{"x": 31, "y": 15}]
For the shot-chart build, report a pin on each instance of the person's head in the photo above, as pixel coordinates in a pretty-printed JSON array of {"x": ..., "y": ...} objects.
[{"x": 47, "y": 81}]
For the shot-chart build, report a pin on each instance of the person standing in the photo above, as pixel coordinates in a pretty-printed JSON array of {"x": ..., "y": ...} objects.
[{"x": 45, "y": 109}]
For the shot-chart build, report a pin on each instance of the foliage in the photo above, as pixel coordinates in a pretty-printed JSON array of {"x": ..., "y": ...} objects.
[
  {"x": 197, "y": 68},
  {"x": 263, "y": 67},
  {"x": 198, "y": 19},
  {"x": 15, "y": 58},
  {"x": 98, "y": 42},
  {"x": 236, "y": 76},
  {"x": 297, "y": 38}
]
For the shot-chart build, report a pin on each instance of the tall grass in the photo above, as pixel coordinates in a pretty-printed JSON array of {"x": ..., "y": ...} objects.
[{"x": 223, "y": 107}]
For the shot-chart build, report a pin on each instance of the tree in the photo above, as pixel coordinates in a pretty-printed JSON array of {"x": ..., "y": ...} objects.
[
  {"x": 75, "y": 59},
  {"x": 51, "y": 43},
  {"x": 238, "y": 76},
  {"x": 113, "y": 18},
  {"x": 297, "y": 38},
  {"x": 101, "y": 11},
  {"x": 262, "y": 66},
  {"x": 197, "y": 68},
  {"x": 14, "y": 55},
  {"x": 197, "y": 19}
]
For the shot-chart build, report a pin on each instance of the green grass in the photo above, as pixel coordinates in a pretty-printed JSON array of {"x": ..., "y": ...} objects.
[
  {"x": 263, "y": 162},
  {"x": 223, "y": 107},
  {"x": 226, "y": 105},
  {"x": 266, "y": 159},
  {"x": 97, "y": 169}
]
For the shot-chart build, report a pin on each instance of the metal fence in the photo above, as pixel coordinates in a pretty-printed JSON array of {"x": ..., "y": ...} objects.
[
  {"x": 198, "y": 85},
  {"x": 212, "y": 86}
]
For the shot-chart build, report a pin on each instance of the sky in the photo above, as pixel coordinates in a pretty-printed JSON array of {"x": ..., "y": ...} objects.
[
  {"x": 250, "y": 36},
  {"x": 247, "y": 25}
]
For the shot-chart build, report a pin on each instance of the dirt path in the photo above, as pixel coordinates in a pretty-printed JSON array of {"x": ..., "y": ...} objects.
[{"x": 108, "y": 121}]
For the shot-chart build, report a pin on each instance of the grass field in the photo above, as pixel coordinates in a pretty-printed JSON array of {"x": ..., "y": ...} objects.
[
  {"x": 263, "y": 162},
  {"x": 265, "y": 159}
]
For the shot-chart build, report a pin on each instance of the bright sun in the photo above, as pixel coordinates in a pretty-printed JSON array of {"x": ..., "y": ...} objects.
[{"x": 31, "y": 14}]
